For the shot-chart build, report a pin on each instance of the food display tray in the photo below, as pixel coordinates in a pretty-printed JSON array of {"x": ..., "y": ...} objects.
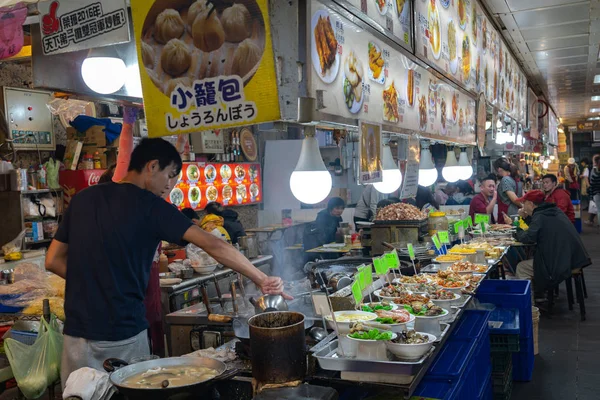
[
  {"x": 329, "y": 359},
  {"x": 405, "y": 222},
  {"x": 464, "y": 300}
]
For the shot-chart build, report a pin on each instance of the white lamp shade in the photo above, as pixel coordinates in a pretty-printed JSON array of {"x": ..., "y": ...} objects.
[
  {"x": 391, "y": 177},
  {"x": 104, "y": 75},
  {"x": 428, "y": 174},
  {"x": 451, "y": 171},
  {"x": 310, "y": 182},
  {"x": 465, "y": 169}
]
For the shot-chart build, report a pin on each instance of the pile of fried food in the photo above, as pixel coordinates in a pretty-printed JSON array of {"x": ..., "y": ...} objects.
[
  {"x": 326, "y": 44},
  {"x": 466, "y": 266},
  {"x": 400, "y": 212},
  {"x": 407, "y": 298}
]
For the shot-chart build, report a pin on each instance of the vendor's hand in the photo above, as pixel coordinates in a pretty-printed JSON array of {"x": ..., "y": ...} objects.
[{"x": 273, "y": 285}]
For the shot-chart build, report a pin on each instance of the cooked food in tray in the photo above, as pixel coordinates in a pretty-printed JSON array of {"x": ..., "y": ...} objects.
[
  {"x": 400, "y": 211},
  {"x": 411, "y": 337},
  {"x": 350, "y": 316},
  {"x": 415, "y": 279},
  {"x": 372, "y": 307},
  {"x": 407, "y": 298},
  {"x": 392, "y": 317},
  {"x": 359, "y": 331},
  {"x": 392, "y": 291},
  {"x": 155, "y": 378},
  {"x": 448, "y": 258},
  {"x": 390, "y": 104},
  {"x": 421, "y": 309},
  {"x": 466, "y": 266},
  {"x": 326, "y": 43},
  {"x": 424, "y": 288},
  {"x": 442, "y": 295}
]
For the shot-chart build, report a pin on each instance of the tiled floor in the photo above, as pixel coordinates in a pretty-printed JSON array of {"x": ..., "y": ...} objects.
[{"x": 568, "y": 366}]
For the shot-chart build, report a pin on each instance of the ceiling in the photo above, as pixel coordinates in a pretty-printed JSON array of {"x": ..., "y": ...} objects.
[{"x": 556, "y": 42}]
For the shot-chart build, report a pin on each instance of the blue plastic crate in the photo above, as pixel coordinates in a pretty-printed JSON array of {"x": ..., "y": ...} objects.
[
  {"x": 505, "y": 321},
  {"x": 436, "y": 389},
  {"x": 471, "y": 324},
  {"x": 488, "y": 391},
  {"x": 509, "y": 294},
  {"x": 452, "y": 360},
  {"x": 523, "y": 361},
  {"x": 482, "y": 360}
]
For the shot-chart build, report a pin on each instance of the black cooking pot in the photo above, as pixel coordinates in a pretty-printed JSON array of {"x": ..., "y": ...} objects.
[
  {"x": 119, "y": 371},
  {"x": 277, "y": 346}
]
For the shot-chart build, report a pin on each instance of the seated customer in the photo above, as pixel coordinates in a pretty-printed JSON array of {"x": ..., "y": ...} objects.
[
  {"x": 558, "y": 196},
  {"x": 559, "y": 248},
  {"x": 462, "y": 196},
  {"x": 329, "y": 219},
  {"x": 211, "y": 223},
  {"x": 485, "y": 201},
  {"x": 231, "y": 223}
]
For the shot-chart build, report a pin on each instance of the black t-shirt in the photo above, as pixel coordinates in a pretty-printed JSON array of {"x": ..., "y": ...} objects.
[{"x": 113, "y": 231}]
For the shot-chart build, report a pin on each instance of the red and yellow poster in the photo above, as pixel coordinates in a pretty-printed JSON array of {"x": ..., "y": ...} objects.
[
  {"x": 205, "y": 65},
  {"x": 229, "y": 184}
]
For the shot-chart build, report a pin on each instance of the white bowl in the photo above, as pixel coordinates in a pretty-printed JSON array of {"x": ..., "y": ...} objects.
[
  {"x": 394, "y": 305},
  {"x": 205, "y": 269},
  {"x": 344, "y": 327},
  {"x": 378, "y": 294},
  {"x": 411, "y": 351},
  {"x": 371, "y": 349},
  {"x": 446, "y": 304}
]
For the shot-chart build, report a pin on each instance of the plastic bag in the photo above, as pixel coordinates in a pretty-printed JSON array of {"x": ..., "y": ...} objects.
[
  {"x": 31, "y": 284},
  {"x": 37, "y": 366},
  {"x": 198, "y": 257},
  {"x": 593, "y": 207},
  {"x": 15, "y": 245}
]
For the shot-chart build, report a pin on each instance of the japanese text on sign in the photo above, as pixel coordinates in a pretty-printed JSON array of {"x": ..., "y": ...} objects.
[
  {"x": 78, "y": 26},
  {"x": 211, "y": 102}
]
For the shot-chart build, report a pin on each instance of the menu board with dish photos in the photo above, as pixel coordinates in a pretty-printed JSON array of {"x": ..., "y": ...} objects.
[
  {"x": 458, "y": 39},
  {"x": 347, "y": 80},
  {"x": 393, "y": 15},
  {"x": 230, "y": 184}
]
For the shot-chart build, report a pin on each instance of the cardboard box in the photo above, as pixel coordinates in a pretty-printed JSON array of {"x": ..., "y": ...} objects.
[{"x": 93, "y": 137}]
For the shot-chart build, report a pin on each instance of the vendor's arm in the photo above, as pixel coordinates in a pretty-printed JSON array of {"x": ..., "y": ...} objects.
[
  {"x": 125, "y": 143},
  {"x": 172, "y": 226},
  {"x": 513, "y": 198},
  {"x": 56, "y": 258}
]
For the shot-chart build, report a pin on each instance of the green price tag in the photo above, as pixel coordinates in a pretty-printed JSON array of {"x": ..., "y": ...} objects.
[
  {"x": 411, "y": 251},
  {"x": 357, "y": 292},
  {"x": 467, "y": 223},
  {"x": 443, "y": 236},
  {"x": 368, "y": 275},
  {"x": 483, "y": 227},
  {"x": 436, "y": 242},
  {"x": 380, "y": 268},
  {"x": 391, "y": 260},
  {"x": 457, "y": 226},
  {"x": 482, "y": 218}
]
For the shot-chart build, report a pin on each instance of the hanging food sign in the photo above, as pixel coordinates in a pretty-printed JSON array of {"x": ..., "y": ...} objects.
[
  {"x": 370, "y": 153},
  {"x": 356, "y": 76},
  {"x": 230, "y": 184},
  {"x": 71, "y": 25},
  {"x": 205, "y": 64},
  {"x": 11, "y": 30}
]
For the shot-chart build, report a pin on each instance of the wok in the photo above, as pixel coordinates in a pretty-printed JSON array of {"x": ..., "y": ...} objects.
[{"x": 119, "y": 371}]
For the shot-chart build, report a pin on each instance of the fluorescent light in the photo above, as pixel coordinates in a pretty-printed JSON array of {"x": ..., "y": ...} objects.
[
  {"x": 428, "y": 174},
  {"x": 104, "y": 75},
  {"x": 595, "y": 98},
  {"x": 594, "y": 110},
  {"x": 391, "y": 178},
  {"x": 451, "y": 171},
  {"x": 597, "y": 79},
  {"x": 594, "y": 119},
  {"x": 310, "y": 182}
]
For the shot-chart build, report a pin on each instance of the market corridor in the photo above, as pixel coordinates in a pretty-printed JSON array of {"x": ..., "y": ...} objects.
[{"x": 568, "y": 365}]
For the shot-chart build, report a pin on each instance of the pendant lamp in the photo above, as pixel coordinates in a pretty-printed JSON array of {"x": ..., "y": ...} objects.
[
  {"x": 311, "y": 181},
  {"x": 465, "y": 168},
  {"x": 451, "y": 171},
  {"x": 391, "y": 175},
  {"x": 428, "y": 174}
]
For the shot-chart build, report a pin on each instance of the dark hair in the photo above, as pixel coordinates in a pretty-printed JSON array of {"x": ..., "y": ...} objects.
[
  {"x": 394, "y": 199},
  {"x": 385, "y": 202},
  {"x": 514, "y": 172},
  {"x": 214, "y": 208},
  {"x": 552, "y": 177},
  {"x": 155, "y": 149},
  {"x": 502, "y": 163},
  {"x": 595, "y": 159},
  {"x": 107, "y": 175},
  {"x": 464, "y": 187},
  {"x": 335, "y": 202},
  {"x": 190, "y": 213},
  {"x": 585, "y": 160},
  {"x": 488, "y": 178}
]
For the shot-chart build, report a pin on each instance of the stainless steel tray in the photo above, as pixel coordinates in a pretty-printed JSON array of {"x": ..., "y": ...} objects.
[
  {"x": 329, "y": 359},
  {"x": 465, "y": 298}
]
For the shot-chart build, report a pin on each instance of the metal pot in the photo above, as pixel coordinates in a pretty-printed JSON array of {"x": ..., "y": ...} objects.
[
  {"x": 120, "y": 371},
  {"x": 339, "y": 281},
  {"x": 252, "y": 246},
  {"x": 269, "y": 302},
  {"x": 277, "y": 344}
]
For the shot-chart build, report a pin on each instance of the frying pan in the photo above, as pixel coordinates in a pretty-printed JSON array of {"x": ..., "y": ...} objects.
[{"x": 119, "y": 371}]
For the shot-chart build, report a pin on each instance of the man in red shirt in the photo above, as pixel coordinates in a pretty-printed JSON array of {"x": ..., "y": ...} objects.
[
  {"x": 558, "y": 196},
  {"x": 485, "y": 201}
]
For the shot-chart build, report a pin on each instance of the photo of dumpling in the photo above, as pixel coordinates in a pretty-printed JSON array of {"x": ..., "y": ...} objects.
[
  {"x": 169, "y": 25},
  {"x": 176, "y": 58},
  {"x": 237, "y": 23},
  {"x": 187, "y": 40}
]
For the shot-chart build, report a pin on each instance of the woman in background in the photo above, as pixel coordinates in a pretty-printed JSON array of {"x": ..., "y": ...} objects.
[{"x": 508, "y": 202}]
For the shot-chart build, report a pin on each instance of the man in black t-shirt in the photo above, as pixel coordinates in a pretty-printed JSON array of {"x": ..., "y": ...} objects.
[{"x": 104, "y": 249}]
